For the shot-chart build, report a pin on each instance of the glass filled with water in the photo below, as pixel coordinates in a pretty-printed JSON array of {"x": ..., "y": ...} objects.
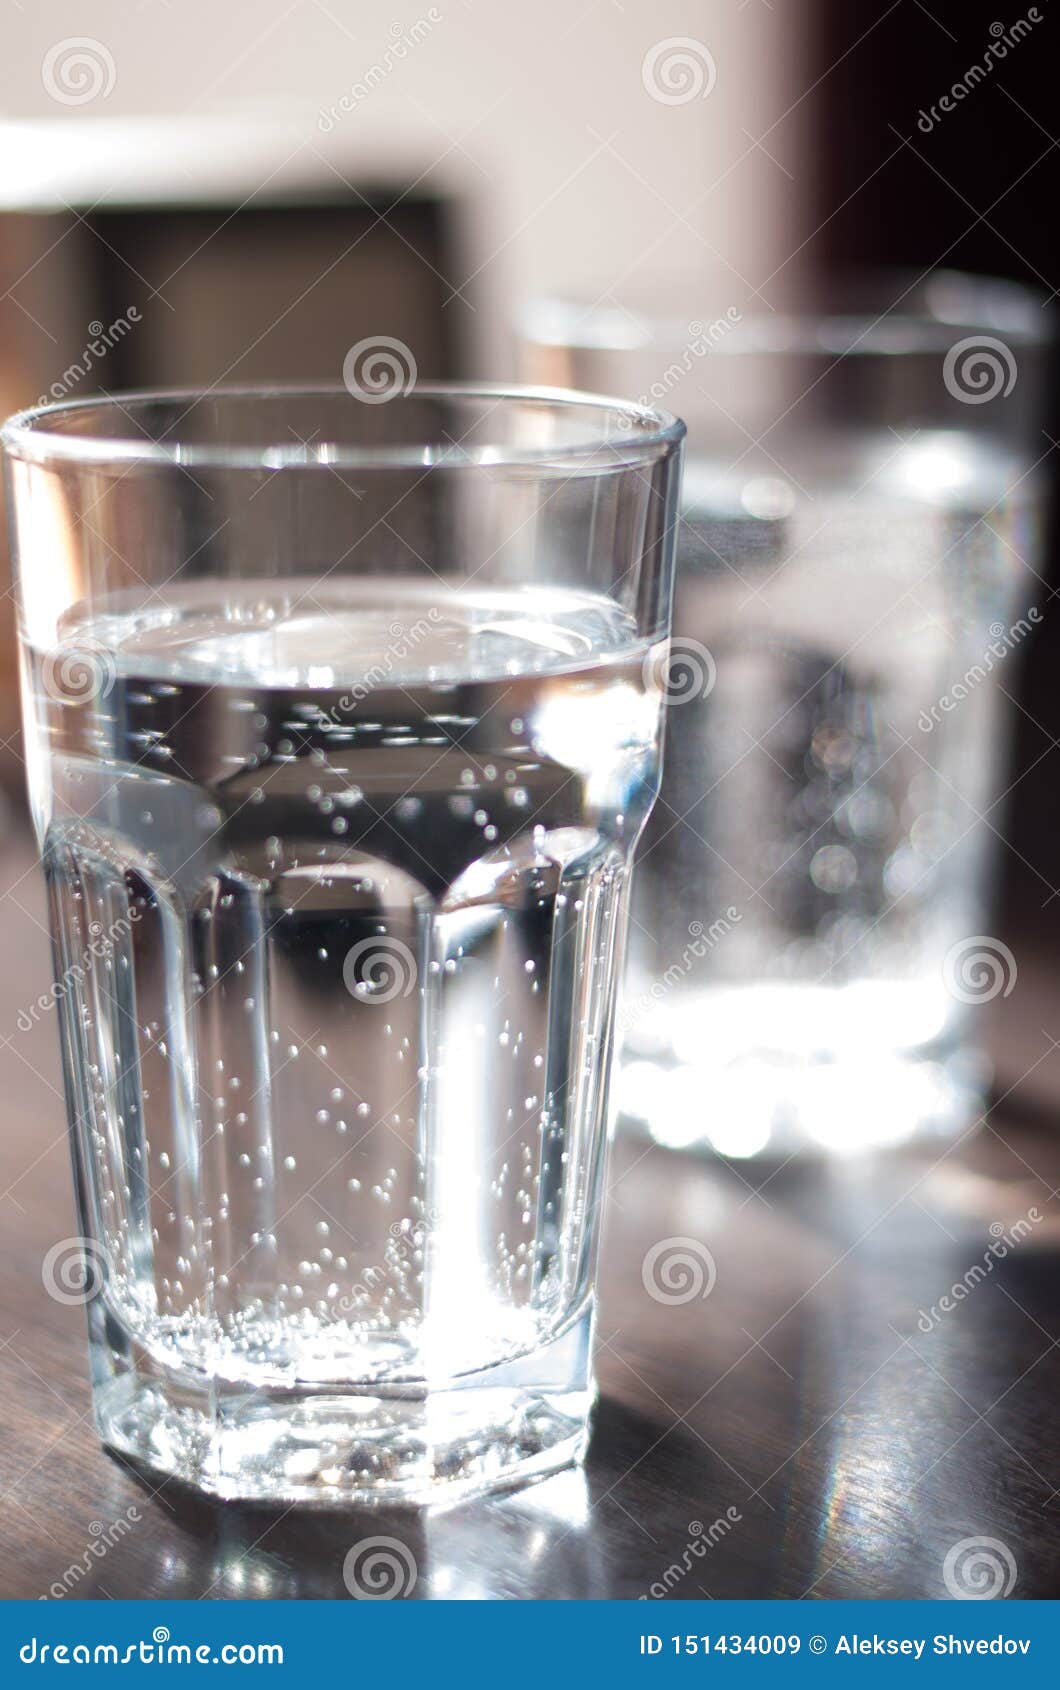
[
  {"x": 857, "y": 578},
  {"x": 342, "y": 720}
]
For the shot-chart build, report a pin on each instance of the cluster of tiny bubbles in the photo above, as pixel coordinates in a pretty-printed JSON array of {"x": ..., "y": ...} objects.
[{"x": 290, "y": 1247}]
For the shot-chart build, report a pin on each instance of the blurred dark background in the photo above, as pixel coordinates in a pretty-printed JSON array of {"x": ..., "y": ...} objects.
[{"x": 977, "y": 192}]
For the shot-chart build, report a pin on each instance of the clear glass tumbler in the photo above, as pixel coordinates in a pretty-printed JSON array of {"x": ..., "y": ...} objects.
[
  {"x": 856, "y": 578},
  {"x": 342, "y": 721}
]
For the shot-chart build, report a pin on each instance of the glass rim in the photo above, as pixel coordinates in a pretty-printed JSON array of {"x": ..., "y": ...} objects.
[
  {"x": 927, "y": 310},
  {"x": 644, "y": 432}
]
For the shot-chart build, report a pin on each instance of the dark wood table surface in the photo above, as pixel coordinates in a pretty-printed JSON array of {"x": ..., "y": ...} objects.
[{"x": 799, "y": 1424}]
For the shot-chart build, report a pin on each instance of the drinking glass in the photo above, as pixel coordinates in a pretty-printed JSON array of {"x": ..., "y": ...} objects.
[
  {"x": 342, "y": 721},
  {"x": 856, "y": 579}
]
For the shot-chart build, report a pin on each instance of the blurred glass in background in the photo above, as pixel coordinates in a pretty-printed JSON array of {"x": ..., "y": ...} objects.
[{"x": 856, "y": 576}]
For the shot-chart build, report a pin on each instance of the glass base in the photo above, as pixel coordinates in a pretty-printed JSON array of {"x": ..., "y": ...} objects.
[{"x": 372, "y": 1446}]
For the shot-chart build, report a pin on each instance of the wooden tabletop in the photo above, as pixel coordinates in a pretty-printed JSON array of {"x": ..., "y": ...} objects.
[{"x": 819, "y": 1425}]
